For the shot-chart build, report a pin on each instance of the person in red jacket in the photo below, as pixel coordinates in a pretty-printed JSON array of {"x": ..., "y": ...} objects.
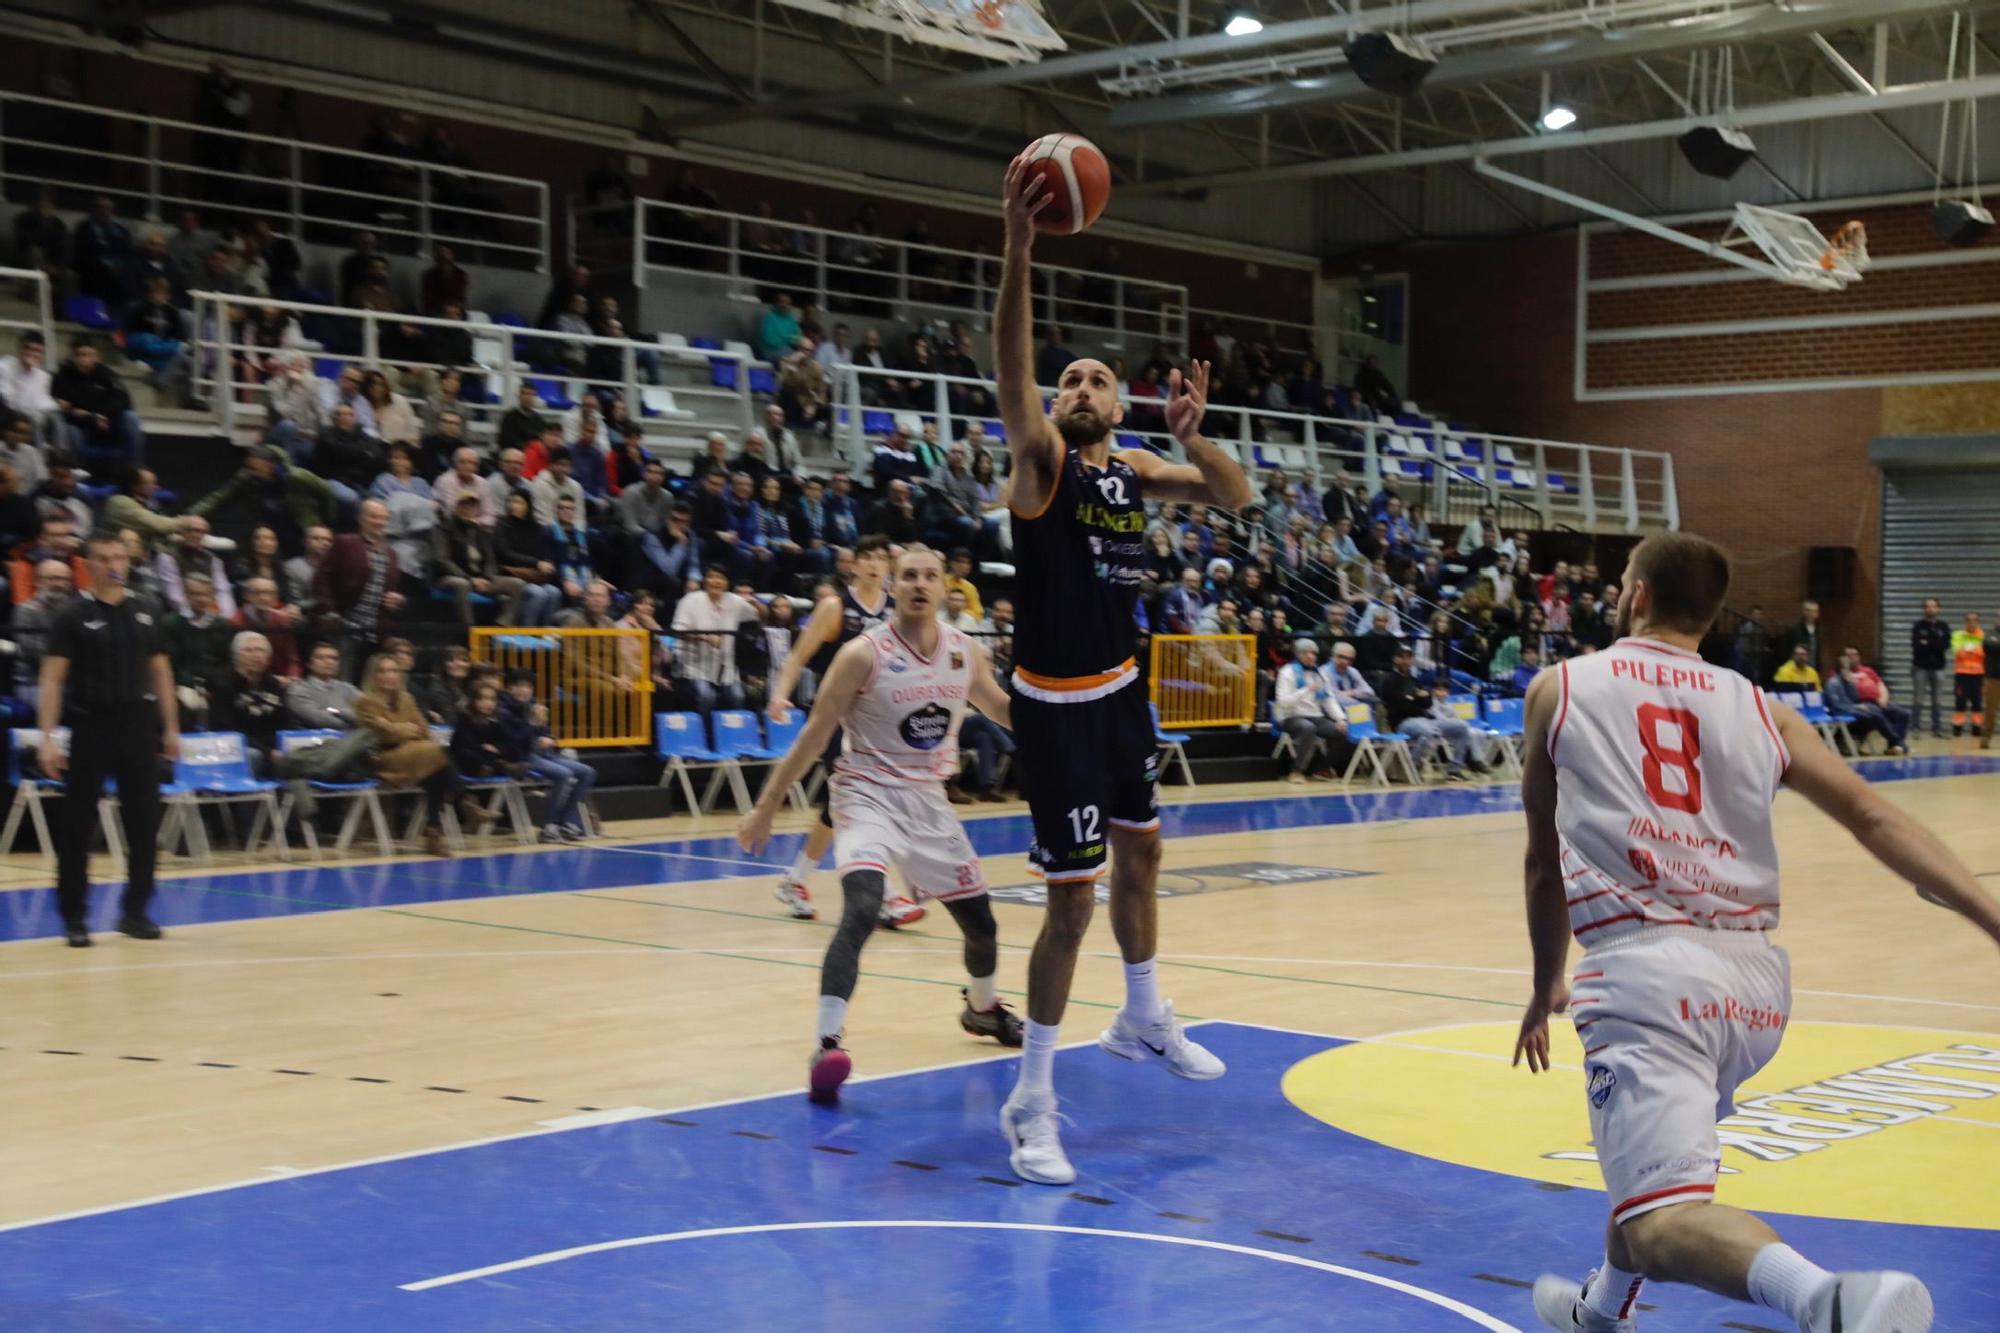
[{"x": 358, "y": 586}]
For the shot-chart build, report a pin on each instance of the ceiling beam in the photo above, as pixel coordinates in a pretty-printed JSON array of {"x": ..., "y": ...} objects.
[
  {"x": 1775, "y": 113},
  {"x": 1090, "y": 62},
  {"x": 1569, "y": 51}
]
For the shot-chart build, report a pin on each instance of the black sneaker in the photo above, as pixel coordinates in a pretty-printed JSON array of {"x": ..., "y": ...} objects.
[
  {"x": 77, "y": 934},
  {"x": 999, "y": 1022},
  {"x": 139, "y": 926}
]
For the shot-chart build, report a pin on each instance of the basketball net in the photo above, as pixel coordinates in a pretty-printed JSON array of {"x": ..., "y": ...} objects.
[{"x": 1848, "y": 249}]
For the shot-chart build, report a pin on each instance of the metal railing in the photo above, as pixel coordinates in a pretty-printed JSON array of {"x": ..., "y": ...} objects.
[
  {"x": 1204, "y": 680},
  {"x": 1453, "y": 473},
  {"x": 1286, "y": 336},
  {"x": 228, "y": 370},
  {"x": 857, "y": 274},
  {"x": 44, "y": 321},
  {"x": 596, "y": 683},
  {"x": 314, "y": 193}
]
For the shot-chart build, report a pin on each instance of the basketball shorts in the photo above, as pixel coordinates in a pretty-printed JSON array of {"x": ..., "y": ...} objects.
[
  {"x": 912, "y": 829},
  {"x": 1672, "y": 1022},
  {"x": 1086, "y": 768}
]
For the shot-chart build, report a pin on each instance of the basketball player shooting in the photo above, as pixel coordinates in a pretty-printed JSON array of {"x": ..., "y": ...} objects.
[
  {"x": 896, "y": 692},
  {"x": 1648, "y": 787},
  {"x": 1081, "y": 723}
]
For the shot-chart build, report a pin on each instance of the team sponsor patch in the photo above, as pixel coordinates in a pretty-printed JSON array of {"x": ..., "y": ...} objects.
[
  {"x": 958, "y": 659},
  {"x": 926, "y": 728},
  {"x": 898, "y": 666},
  {"x": 1602, "y": 1081}
]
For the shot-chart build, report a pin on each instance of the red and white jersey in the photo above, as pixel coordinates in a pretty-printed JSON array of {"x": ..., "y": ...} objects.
[
  {"x": 902, "y": 728},
  {"x": 1666, "y": 767}
]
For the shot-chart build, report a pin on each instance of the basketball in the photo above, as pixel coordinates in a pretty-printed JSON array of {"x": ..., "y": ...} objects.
[{"x": 1079, "y": 177}]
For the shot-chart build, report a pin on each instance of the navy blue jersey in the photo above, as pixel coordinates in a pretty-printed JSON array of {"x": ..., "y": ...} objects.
[
  {"x": 855, "y": 619},
  {"x": 1077, "y": 567}
]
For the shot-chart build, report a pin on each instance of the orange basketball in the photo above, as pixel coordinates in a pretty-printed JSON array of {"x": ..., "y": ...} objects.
[{"x": 1078, "y": 176}]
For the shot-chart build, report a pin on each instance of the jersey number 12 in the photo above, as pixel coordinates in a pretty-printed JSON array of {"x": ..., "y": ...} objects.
[{"x": 1681, "y": 758}]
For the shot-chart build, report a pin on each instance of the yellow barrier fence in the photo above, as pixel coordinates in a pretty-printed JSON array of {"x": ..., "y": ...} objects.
[
  {"x": 1205, "y": 680},
  {"x": 597, "y": 683}
]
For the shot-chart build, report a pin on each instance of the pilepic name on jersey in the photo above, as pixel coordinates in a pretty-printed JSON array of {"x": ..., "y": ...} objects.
[
  {"x": 909, "y": 694},
  {"x": 1663, "y": 675}
]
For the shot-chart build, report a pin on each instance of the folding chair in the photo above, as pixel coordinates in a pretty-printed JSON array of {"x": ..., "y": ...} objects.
[
  {"x": 1174, "y": 743},
  {"x": 778, "y": 738},
  {"x": 214, "y": 768},
  {"x": 736, "y": 739},
  {"x": 364, "y": 798},
  {"x": 30, "y": 794},
  {"x": 679, "y": 741},
  {"x": 1831, "y": 726},
  {"x": 1497, "y": 748},
  {"x": 1372, "y": 746}
]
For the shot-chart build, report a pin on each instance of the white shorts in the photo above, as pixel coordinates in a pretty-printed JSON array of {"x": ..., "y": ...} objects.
[
  {"x": 910, "y": 828},
  {"x": 1672, "y": 1022}
]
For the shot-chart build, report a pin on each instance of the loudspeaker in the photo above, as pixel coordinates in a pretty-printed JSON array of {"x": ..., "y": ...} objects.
[
  {"x": 1717, "y": 150},
  {"x": 1961, "y": 222},
  {"x": 1830, "y": 573},
  {"x": 1389, "y": 62}
]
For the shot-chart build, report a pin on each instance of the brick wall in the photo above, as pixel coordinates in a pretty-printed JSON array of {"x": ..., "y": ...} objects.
[{"x": 1493, "y": 325}]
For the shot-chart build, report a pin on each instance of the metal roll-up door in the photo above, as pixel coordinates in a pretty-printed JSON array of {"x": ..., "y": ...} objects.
[{"x": 1940, "y": 538}]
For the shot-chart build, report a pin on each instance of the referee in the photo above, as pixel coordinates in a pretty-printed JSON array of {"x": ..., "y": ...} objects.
[{"x": 106, "y": 676}]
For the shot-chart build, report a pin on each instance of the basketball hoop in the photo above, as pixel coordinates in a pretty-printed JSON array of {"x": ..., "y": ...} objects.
[{"x": 1848, "y": 249}]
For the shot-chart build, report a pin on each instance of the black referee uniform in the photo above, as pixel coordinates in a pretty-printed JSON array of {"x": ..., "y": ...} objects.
[{"x": 111, "y": 705}]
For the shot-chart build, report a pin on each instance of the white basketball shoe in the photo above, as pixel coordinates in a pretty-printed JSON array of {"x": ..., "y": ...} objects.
[
  {"x": 1030, "y": 1124},
  {"x": 1163, "y": 1042},
  {"x": 1882, "y": 1302},
  {"x": 1559, "y": 1302}
]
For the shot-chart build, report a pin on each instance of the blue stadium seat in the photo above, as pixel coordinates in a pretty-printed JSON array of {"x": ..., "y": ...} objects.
[
  {"x": 763, "y": 380},
  {"x": 722, "y": 373},
  {"x": 88, "y": 311}
]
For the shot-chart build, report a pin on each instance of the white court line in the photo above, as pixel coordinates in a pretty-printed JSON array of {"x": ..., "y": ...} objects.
[
  {"x": 950, "y": 947},
  {"x": 1475, "y": 1316}
]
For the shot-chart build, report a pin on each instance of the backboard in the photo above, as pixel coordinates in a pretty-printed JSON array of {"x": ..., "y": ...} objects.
[
  {"x": 1797, "y": 252},
  {"x": 1010, "y": 30}
]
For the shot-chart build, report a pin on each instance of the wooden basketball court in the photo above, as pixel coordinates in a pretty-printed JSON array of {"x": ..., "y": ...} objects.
[{"x": 1362, "y": 959}]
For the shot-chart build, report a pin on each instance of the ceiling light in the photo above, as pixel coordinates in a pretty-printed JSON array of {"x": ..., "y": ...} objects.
[
  {"x": 1241, "y": 23},
  {"x": 1558, "y": 118}
]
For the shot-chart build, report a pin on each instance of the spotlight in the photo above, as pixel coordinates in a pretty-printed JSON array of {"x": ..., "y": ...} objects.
[
  {"x": 1961, "y": 222},
  {"x": 1241, "y": 23},
  {"x": 1558, "y": 118}
]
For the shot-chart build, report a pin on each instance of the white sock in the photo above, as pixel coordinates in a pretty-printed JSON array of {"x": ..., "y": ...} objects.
[
  {"x": 1038, "y": 1060},
  {"x": 981, "y": 993},
  {"x": 1613, "y": 1292},
  {"x": 1783, "y": 1279},
  {"x": 802, "y": 865},
  {"x": 1142, "y": 991},
  {"x": 832, "y": 1015}
]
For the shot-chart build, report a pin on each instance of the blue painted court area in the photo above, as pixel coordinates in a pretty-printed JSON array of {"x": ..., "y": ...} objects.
[
  {"x": 249, "y": 895},
  {"x": 1199, "y": 1206}
]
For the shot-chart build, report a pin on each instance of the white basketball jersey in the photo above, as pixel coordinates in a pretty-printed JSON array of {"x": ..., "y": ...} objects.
[
  {"x": 1666, "y": 767},
  {"x": 903, "y": 727}
]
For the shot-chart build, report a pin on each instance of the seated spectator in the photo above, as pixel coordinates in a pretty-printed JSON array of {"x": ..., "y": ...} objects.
[
  {"x": 569, "y": 546},
  {"x": 782, "y": 451},
  {"x": 570, "y": 782},
  {"x": 302, "y": 571},
  {"x": 442, "y": 697},
  {"x": 395, "y": 421},
  {"x": 1375, "y": 650},
  {"x": 523, "y": 422},
  {"x": 778, "y": 329},
  {"x": 465, "y": 563},
  {"x": 101, "y": 253},
  {"x": 553, "y": 485},
  {"x": 951, "y": 510},
  {"x": 774, "y": 534},
  {"x": 265, "y": 613},
  {"x": 958, "y": 574},
  {"x": 671, "y": 557},
  {"x": 804, "y": 395},
  {"x": 895, "y": 515},
  {"x": 1858, "y": 690},
  {"x": 463, "y": 479},
  {"x": 714, "y": 458},
  {"x": 574, "y": 283},
  {"x": 521, "y": 548},
  {"x": 182, "y": 564},
  {"x": 954, "y": 615},
  {"x": 346, "y": 458},
  {"x": 135, "y": 507},
  {"x": 1426, "y": 716},
  {"x": 1186, "y": 604},
  {"x": 52, "y": 585},
  {"x": 843, "y": 511},
  {"x": 41, "y": 240},
  {"x": 1307, "y": 709},
  {"x": 444, "y": 282},
  {"x": 25, "y": 388},
  {"x": 289, "y": 499},
  {"x": 742, "y": 535},
  {"x": 895, "y": 459},
  {"x": 645, "y": 507},
  {"x": 507, "y": 479},
  {"x": 1373, "y": 387},
  {"x": 573, "y": 320},
  {"x": 20, "y": 456},
  {"x": 1526, "y": 670},
  {"x": 1349, "y": 685},
  {"x": 96, "y": 411},
  {"x": 187, "y": 250},
  {"x": 197, "y": 643},
  {"x": 249, "y": 698},
  {"x": 588, "y": 465},
  {"x": 19, "y": 519},
  {"x": 1798, "y": 671},
  {"x": 988, "y": 741},
  {"x": 754, "y": 460},
  {"x": 405, "y": 754},
  {"x": 481, "y": 744},
  {"x": 593, "y": 611},
  {"x": 321, "y": 699},
  {"x": 705, "y": 625},
  {"x": 401, "y": 478},
  {"x": 58, "y": 493},
  {"x": 295, "y": 400}
]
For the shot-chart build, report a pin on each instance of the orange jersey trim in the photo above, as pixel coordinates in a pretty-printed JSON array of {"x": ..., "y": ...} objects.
[{"x": 1075, "y": 684}]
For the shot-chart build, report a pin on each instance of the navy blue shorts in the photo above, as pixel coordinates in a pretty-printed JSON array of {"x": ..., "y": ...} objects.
[{"x": 1086, "y": 768}]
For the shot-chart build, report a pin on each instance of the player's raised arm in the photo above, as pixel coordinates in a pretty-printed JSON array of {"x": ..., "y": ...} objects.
[
  {"x": 1548, "y": 909},
  {"x": 984, "y": 690},
  {"x": 1210, "y": 476},
  {"x": 1890, "y": 835},
  {"x": 1032, "y": 442},
  {"x": 820, "y": 629},
  {"x": 844, "y": 679}
]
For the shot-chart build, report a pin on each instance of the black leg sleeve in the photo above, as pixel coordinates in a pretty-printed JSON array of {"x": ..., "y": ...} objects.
[
  {"x": 982, "y": 934},
  {"x": 861, "y": 892}
]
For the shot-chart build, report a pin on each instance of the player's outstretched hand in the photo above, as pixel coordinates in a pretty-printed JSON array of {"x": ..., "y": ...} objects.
[
  {"x": 753, "y": 831},
  {"x": 778, "y": 709},
  {"x": 1187, "y": 400},
  {"x": 1534, "y": 1039},
  {"x": 1024, "y": 195}
]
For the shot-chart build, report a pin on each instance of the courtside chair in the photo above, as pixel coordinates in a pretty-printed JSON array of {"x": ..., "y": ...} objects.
[
  {"x": 31, "y": 794},
  {"x": 497, "y": 795},
  {"x": 737, "y": 741},
  {"x": 364, "y": 798},
  {"x": 778, "y": 738},
  {"x": 682, "y": 745},
  {"x": 214, "y": 769},
  {"x": 1380, "y": 750},
  {"x": 1174, "y": 743}
]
